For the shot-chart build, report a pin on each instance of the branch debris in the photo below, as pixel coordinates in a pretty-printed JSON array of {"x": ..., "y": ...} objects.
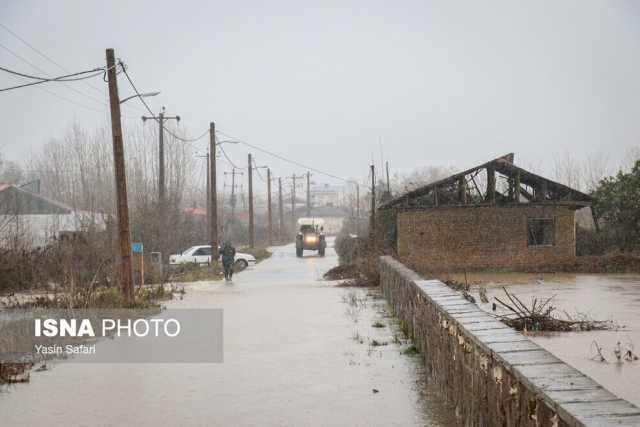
[{"x": 541, "y": 315}]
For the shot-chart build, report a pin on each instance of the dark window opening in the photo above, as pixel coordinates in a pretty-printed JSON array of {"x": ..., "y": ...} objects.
[
  {"x": 202, "y": 251},
  {"x": 540, "y": 232}
]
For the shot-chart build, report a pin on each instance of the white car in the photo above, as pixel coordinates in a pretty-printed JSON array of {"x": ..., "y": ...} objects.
[{"x": 202, "y": 255}]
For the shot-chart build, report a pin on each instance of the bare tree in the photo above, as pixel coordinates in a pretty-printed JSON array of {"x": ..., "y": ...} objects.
[{"x": 568, "y": 171}]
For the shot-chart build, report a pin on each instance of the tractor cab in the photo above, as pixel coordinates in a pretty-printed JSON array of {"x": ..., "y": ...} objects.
[{"x": 311, "y": 236}]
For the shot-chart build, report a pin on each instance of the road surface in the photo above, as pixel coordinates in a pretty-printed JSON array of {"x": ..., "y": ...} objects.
[{"x": 296, "y": 352}]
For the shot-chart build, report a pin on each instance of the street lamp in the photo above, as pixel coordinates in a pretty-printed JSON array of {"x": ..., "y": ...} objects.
[
  {"x": 142, "y": 95},
  {"x": 227, "y": 141}
]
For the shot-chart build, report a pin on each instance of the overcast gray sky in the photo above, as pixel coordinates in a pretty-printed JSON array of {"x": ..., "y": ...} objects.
[{"x": 438, "y": 82}]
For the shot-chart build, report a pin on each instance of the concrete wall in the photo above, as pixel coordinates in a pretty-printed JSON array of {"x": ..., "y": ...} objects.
[
  {"x": 494, "y": 375},
  {"x": 457, "y": 238}
]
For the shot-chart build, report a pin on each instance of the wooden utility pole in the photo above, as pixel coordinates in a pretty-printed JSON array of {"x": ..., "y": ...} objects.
[
  {"x": 280, "y": 211},
  {"x": 252, "y": 236},
  {"x": 308, "y": 194},
  {"x": 388, "y": 182},
  {"x": 293, "y": 203},
  {"x": 207, "y": 193},
  {"x": 122, "y": 207},
  {"x": 357, "y": 209},
  {"x": 161, "y": 189},
  {"x": 213, "y": 194},
  {"x": 162, "y": 192},
  {"x": 269, "y": 213},
  {"x": 372, "y": 225},
  {"x": 232, "y": 200}
]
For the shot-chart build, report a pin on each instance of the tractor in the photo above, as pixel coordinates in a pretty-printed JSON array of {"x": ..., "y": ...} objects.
[{"x": 311, "y": 236}]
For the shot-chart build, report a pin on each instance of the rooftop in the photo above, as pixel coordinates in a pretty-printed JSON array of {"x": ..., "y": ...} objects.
[{"x": 497, "y": 182}]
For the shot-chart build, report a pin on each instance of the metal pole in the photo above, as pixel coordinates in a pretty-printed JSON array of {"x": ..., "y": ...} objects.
[
  {"x": 122, "y": 208},
  {"x": 213, "y": 193},
  {"x": 252, "y": 236}
]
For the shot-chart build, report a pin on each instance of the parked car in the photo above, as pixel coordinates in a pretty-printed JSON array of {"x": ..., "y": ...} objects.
[{"x": 202, "y": 255}]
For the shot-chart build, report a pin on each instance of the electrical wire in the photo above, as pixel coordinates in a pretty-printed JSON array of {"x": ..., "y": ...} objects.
[
  {"x": 100, "y": 71},
  {"x": 255, "y": 165},
  {"x": 224, "y": 153},
  {"x": 141, "y": 98},
  {"x": 101, "y": 102},
  {"x": 101, "y": 92},
  {"x": 64, "y": 78},
  {"x": 278, "y": 156}
]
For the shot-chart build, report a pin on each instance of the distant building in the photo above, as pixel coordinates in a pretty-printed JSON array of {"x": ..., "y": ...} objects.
[
  {"x": 332, "y": 216},
  {"x": 495, "y": 215},
  {"x": 326, "y": 195},
  {"x": 36, "y": 220}
]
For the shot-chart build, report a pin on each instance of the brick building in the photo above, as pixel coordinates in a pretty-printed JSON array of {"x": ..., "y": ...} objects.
[{"x": 494, "y": 216}]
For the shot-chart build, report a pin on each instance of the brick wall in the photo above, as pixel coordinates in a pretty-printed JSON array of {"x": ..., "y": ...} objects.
[{"x": 457, "y": 238}]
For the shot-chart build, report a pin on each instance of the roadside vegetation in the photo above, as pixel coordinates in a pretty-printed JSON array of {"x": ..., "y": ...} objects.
[
  {"x": 76, "y": 171},
  {"x": 358, "y": 262},
  {"x": 260, "y": 253}
]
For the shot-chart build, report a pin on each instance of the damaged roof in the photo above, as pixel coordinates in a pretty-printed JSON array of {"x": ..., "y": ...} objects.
[
  {"x": 462, "y": 189},
  {"x": 15, "y": 200}
]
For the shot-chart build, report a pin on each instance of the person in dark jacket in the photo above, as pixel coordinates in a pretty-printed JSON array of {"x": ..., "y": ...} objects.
[{"x": 228, "y": 254}]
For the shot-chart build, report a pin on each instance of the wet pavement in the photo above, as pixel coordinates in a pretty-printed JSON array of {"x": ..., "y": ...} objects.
[
  {"x": 297, "y": 351},
  {"x": 600, "y": 297}
]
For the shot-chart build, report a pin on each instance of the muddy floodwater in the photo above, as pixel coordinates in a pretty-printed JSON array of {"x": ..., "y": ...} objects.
[
  {"x": 601, "y": 297},
  {"x": 297, "y": 351}
]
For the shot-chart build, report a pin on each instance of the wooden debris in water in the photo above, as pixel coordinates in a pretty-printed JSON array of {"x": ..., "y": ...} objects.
[{"x": 540, "y": 315}]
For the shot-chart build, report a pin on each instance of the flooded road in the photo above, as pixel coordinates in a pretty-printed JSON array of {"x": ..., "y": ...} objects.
[
  {"x": 601, "y": 297},
  {"x": 297, "y": 351}
]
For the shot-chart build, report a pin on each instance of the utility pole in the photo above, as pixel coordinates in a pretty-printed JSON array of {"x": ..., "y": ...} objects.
[
  {"x": 357, "y": 209},
  {"x": 212, "y": 213},
  {"x": 161, "y": 189},
  {"x": 388, "y": 182},
  {"x": 161, "y": 118},
  {"x": 308, "y": 194},
  {"x": 252, "y": 236},
  {"x": 122, "y": 208},
  {"x": 232, "y": 200},
  {"x": 372, "y": 225},
  {"x": 269, "y": 213},
  {"x": 293, "y": 199},
  {"x": 293, "y": 203},
  {"x": 208, "y": 192},
  {"x": 280, "y": 210},
  {"x": 162, "y": 207}
]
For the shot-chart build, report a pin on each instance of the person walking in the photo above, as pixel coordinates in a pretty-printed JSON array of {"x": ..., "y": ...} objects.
[{"x": 228, "y": 253}]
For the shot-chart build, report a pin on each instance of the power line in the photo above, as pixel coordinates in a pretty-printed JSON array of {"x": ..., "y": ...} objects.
[
  {"x": 258, "y": 170},
  {"x": 57, "y": 64},
  {"x": 224, "y": 153},
  {"x": 57, "y": 95},
  {"x": 141, "y": 98},
  {"x": 102, "y": 103},
  {"x": 278, "y": 156},
  {"x": 65, "y": 78}
]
